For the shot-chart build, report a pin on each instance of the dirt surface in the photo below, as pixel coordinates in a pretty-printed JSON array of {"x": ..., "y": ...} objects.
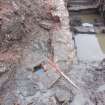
[
  {"x": 21, "y": 35},
  {"x": 26, "y": 29}
]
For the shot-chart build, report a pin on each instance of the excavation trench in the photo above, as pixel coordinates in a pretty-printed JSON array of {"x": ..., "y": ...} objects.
[
  {"x": 38, "y": 30},
  {"x": 88, "y": 33}
]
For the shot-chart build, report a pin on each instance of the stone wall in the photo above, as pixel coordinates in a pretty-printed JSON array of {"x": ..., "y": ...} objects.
[{"x": 64, "y": 52}]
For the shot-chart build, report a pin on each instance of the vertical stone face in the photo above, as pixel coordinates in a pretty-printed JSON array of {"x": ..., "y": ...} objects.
[{"x": 63, "y": 45}]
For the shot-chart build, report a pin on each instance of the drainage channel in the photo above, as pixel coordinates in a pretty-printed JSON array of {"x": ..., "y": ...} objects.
[{"x": 89, "y": 36}]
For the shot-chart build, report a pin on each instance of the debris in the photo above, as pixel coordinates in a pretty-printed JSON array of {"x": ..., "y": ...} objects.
[
  {"x": 101, "y": 88},
  {"x": 46, "y": 101},
  {"x": 87, "y": 25},
  {"x": 101, "y": 67},
  {"x": 63, "y": 95},
  {"x": 81, "y": 29},
  {"x": 15, "y": 5},
  {"x": 52, "y": 101},
  {"x": 27, "y": 88},
  {"x": 59, "y": 71},
  {"x": 50, "y": 76},
  {"x": 46, "y": 24},
  {"x": 75, "y": 21},
  {"x": 103, "y": 62},
  {"x": 10, "y": 99},
  {"x": 3, "y": 68}
]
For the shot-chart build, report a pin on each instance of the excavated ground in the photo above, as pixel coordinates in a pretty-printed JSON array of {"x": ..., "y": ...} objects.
[{"x": 25, "y": 40}]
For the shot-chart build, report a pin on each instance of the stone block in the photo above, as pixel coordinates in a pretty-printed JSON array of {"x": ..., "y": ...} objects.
[{"x": 63, "y": 95}]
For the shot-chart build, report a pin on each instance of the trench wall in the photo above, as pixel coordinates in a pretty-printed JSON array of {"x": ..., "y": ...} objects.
[{"x": 64, "y": 52}]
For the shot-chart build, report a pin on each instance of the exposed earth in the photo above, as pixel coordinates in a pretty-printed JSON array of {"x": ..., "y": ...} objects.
[{"x": 34, "y": 31}]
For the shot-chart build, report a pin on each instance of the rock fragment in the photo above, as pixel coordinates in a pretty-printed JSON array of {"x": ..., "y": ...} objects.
[
  {"x": 46, "y": 24},
  {"x": 63, "y": 95}
]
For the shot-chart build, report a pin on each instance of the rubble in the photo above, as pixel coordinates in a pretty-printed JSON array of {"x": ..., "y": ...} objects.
[
  {"x": 46, "y": 24},
  {"x": 10, "y": 99},
  {"x": 101, "y": 67},
  {"x": 61, "y": 73},
  {"x": 32, "y": 31},
  {"x": 11, "y": 28},
  {"x": 63, "y": 95},
  {"x": 3, "y": 68},
  {"x": 27, "y": 88}
]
